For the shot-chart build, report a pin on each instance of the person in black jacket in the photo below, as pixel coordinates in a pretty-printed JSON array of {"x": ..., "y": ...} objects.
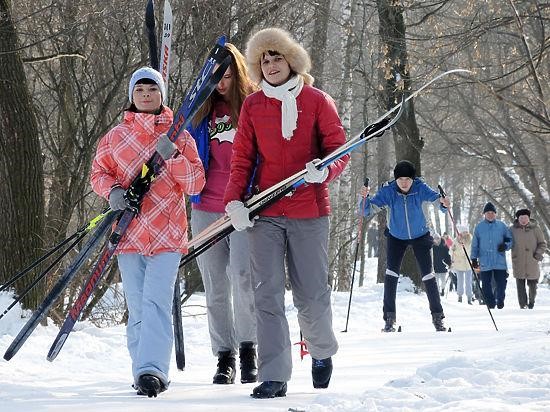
[{"x": 442, "y": 261}]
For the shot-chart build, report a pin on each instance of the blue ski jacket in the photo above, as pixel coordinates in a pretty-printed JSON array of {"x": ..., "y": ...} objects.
[
  {"x": 406, "y": 219},
  {"x": 487, "y": 237}
]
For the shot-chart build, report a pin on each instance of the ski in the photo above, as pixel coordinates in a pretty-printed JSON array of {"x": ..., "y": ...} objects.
[
  {"x": 222, "y": 227},
  {"x": 166, "y": 45},
  {"x": 202, "y": 88},
  {"x": 163, "y": 65},
  {"x": 61, "y": 284}
]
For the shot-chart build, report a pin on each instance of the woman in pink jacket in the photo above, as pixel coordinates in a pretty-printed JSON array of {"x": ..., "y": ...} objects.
[
  {"x": 149, "y": 253},
  {"x": 284, "y": 128}
]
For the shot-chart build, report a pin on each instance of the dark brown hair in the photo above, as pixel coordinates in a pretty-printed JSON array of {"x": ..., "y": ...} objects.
[{"x": 241, "y": 86}]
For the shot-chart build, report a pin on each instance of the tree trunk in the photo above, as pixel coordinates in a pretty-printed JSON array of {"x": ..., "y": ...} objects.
[
  {"x": 319, "y": 43},
  {"x": 21, "y": 174},
  {"x": 408, "y": 143}
]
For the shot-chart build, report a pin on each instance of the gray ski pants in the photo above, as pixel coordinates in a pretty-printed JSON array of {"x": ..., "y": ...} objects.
[
  {"x": 304, "y": 243},
  {"x": 225, "y": 271}
]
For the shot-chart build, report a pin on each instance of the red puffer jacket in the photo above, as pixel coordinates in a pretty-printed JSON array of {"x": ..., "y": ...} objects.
[{"x": 319, "y": 132}]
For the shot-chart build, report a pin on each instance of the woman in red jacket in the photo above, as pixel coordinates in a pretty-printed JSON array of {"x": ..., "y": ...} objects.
[
  {"x": 283, "y": 128},
  {"x": 149, "y": 252}
]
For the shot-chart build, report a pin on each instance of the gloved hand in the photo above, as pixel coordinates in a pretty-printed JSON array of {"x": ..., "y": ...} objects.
[
  {"x": 165, "y": 147},
  {"x": 116, "y": 199},
  {"x": 313, "y": 174},
  {"x": 475, "y": 263},
  {"x": 238, "y": 213},
  {"x": 502, "y": 247},
  {"x": 538, "y": 256}
]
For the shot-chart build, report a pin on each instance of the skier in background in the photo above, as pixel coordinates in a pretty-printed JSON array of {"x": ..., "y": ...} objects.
[{"x": 403, "y": 198}]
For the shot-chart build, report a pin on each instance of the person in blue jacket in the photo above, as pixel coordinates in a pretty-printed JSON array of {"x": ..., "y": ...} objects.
[
  {"x": 407, "y": 226},
  {"x": 492, "y": 238}
]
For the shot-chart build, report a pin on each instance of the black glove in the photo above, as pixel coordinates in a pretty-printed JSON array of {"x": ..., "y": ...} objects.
[
  {"x": 538, "y": 256},
  {"x": 502, "y": 247},
  {"x": 377, "y": 126},
  {"x": 475, "y": 263}
]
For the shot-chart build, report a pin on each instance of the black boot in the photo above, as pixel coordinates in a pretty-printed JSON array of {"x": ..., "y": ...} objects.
[
  {"x": 437, "y": 319},
  {"x": 389, "y": 317},
  {"x": 269, "y": 389},
  {"x": 225, "y": 374},
  {"x": 247, "y": 357},
  {"x": 321, "y": 371},
  {"x": 149, "y": 385}
]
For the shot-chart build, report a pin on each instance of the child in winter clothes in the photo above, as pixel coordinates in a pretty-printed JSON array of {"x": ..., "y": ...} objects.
[
  {"x": 492, "y": 238},
  {"x": 403, "y": 197},
  {"x": 149, "y": 253},
  {"x": 442, "y": 261},
  {"x": 283, "y": 128},
  {"x": 529, "y": 246},
  {"x": 461, "y": 265},
  {"x": 225, "y": 268}
]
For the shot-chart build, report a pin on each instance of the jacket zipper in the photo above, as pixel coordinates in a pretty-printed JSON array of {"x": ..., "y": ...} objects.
[{"x": 407, "y": 215}]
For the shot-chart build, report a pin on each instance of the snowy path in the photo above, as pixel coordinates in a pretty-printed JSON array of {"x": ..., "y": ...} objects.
[{"x": 474, "y": 367}]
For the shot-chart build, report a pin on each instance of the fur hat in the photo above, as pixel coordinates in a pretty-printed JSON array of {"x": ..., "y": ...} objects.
[
  {"x": 489, "y": 207},
  {"x": 146, "y": 73},
  {"x": 404, "y": 168},
  {"x": 523, "y": 212},
  {"x": 281, "y": 41}
]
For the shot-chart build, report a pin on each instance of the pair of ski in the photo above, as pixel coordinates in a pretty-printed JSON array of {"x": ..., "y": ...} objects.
[
  {"x": 203, "y": 86},
  {"x": 222, "y": 227}
]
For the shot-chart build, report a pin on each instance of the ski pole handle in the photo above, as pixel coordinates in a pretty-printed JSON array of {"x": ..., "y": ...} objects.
[{"x": 441, "y": 191}]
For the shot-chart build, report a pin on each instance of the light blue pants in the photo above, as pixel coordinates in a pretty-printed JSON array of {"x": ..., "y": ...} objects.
[
  {"x": 148, "y": 283},
  {"x": 464, "y": 283},
  {"x": 227, "y": 279}
]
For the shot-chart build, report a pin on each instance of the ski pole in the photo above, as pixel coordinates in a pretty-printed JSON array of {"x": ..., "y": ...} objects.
[
  {"x": 41, "y": 276},
  {"x": 359, "y": 234},
  {"x": 443, "y": 194},
  {"x": 80, "y": 233}
]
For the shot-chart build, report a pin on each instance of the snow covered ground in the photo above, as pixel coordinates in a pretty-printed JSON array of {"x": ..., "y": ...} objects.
[{"x": 472, "y": 368}]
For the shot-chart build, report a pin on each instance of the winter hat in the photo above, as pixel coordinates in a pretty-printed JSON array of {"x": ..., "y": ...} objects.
[
  {"x": 146, "y": 73},
  {"x": 404, "y": 168},
  {"x": 280, "y": 41},
  {"x": 489, "y": 207},
  {"x": 521, "y": 212}
]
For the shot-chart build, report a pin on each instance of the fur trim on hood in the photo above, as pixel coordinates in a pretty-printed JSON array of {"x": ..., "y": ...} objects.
[{"x": 281, "y": 41}]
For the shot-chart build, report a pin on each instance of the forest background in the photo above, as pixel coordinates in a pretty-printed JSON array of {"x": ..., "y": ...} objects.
[{"x": 64, "y": 68}]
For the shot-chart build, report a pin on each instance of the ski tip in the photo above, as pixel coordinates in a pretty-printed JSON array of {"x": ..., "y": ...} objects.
[
  {"x": 8, "y": 355},
  {"x": 399, "y": 328},
  {"x": 449, "y": 330},
  {"x": 150, "y": 14}
]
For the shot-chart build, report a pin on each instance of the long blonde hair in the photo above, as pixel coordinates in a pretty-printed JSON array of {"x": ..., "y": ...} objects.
[{"x": 241, "y": 86}]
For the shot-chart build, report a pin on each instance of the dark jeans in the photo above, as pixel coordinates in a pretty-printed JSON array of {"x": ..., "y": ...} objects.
[
  {"x": 396, "y": 250},
  {"x": 498, "y": 296},
  {"x": 522, "y": 293}
]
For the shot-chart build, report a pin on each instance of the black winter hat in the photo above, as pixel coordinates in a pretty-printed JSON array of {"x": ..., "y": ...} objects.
[
  {"x": 489, "y": 207},
  {"x": 523, "y": 212},
  {"x": 404, "y": 168}
]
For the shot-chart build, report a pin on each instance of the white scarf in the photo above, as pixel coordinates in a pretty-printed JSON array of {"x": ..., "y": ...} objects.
[{"x": 287, "y": 94}]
